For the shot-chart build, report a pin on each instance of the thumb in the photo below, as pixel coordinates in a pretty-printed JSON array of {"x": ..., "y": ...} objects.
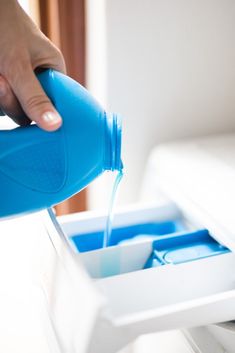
[{"x": 33, "y": 100}]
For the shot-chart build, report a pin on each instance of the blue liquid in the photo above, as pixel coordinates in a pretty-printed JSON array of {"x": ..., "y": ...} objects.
[
  {"x": 108, "y": 230},
  {"x": 110, "y": 264}
]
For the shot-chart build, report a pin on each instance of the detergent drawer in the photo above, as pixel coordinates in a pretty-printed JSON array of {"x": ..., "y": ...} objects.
[{"x": 159, "y": 272}]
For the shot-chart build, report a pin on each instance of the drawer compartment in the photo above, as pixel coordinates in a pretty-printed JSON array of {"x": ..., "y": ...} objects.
[
  {"x": 192, "y": 287},
  {"x": 191, "y": 273},
  {"x": 172, "y": 296}
]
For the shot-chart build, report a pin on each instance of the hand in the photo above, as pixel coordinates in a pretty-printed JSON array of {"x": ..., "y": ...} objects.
[{"x": 23, "y": 49}]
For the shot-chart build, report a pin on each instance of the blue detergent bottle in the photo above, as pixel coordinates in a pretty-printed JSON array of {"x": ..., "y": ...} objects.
[{"x": 39, "y": 169}]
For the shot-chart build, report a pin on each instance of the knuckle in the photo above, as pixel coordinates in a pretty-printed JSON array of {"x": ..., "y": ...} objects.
[
  {"x": 57, "y": 52},
  {"x": 56, "y": 58},
  {"x": 36, "y": 102},
  {"x": 54, "y": 50},
  {"x": 48, "y": 55},
  {"x": 15, "y": 70}
]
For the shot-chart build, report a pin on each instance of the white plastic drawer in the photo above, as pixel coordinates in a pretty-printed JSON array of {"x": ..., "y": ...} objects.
[
  {"x": 169, "y": 297},
  {"x": 132, "y": 301}
]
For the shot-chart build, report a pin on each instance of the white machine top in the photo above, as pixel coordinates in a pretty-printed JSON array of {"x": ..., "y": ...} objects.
[{"x": 199, "y": 175}]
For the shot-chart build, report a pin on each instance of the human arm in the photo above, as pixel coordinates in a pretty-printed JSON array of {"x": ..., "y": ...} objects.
[{"x": 24, "y": 49}]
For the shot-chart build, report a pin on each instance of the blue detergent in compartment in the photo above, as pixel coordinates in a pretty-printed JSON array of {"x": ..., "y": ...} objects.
[
  {"x": 93, "y": 241},
  {"x": 184, "y": 247}
]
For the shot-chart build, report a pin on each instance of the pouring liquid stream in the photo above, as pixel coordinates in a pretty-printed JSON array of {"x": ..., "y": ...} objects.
[{"x": 108, "y": 229}]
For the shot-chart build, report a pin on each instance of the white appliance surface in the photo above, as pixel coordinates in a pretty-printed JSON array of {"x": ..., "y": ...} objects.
[
  {"x": 24, "y": 322},
  {"x": 41, "y": 275},
  {"x": 165, "y": 342}
]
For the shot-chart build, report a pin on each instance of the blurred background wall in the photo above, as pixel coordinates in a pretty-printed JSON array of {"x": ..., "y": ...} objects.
[
  {"x": 168, "y": 67},
  {"x": 63, "y": 22}
]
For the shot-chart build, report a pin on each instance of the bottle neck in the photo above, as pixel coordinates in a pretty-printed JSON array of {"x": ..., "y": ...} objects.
[{"x": 113, "y": 132}]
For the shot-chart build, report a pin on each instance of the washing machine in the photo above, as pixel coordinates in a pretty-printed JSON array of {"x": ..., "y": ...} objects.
[{"x": 166, "y": 277}]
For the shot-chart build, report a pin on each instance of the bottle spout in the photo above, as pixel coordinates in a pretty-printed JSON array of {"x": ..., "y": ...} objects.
[{"x": 113, "y": 159}]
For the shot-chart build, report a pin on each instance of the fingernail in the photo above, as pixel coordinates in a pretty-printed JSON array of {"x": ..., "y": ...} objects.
[{"x": 51, "y": 118}]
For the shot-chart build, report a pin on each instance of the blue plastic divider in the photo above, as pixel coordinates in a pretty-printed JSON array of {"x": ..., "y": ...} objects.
[
  {"x": 184, "y": 247},
  {"x": 93, "y": 241},
  {"x": 172, "y": 242}
]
